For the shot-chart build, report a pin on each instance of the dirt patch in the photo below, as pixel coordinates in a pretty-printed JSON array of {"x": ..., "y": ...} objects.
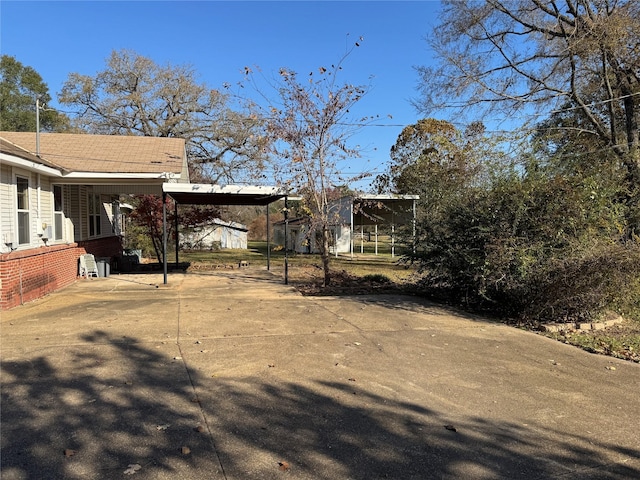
[{"x": 308, "y": 281}]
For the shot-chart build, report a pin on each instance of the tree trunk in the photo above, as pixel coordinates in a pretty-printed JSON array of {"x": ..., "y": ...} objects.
[
  {"x": 157, "y": 246},
  {"x": 325, "y": 256}
]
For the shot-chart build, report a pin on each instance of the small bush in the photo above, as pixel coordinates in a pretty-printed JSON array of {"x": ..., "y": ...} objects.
[{"x": 376, "y": 278}]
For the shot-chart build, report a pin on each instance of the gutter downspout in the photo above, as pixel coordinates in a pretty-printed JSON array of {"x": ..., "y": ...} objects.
[{"x": 39, "y": 200}]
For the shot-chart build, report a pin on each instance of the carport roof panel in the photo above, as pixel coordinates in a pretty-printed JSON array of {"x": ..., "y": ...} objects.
[
  {"x": 208, "y": 194},
  {"x": 384, "y": 209}
]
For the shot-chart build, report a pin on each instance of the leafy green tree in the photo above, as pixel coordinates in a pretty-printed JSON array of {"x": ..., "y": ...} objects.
[
  {"x": 19, "y": 87},
  {"x": 428, "y": 159},
  {"x": 438, "y": 162}
]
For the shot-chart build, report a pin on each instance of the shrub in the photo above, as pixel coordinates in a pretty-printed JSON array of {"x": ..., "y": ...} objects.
[
  {"x": 376, "y": 278},
  {"x": 536, "y": 246},
  {"x": 586, "y": 282}
]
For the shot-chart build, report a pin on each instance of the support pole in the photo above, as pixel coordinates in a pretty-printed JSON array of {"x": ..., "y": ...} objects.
[
  {"x": 376, "y": 239},
  {"x": 268, "y": 242},
  {"x": 393, "y": 234},
  {"x": 393, "y": 241},
  {"x": 38, "y": 126},
  {"x": 164, "y": 236},
  {"x": 286, "y": 240},
  {"x": 175, "y": 229},
  {"x": 351, "y": 246},
  {"x": 414, "y": 228}
]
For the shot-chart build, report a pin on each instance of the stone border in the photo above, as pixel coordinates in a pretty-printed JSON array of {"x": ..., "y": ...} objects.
[{"x": 570, "y": 327}]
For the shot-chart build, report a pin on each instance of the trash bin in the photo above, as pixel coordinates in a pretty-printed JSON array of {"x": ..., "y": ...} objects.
[
  {"x": 104, "y": 266},
  {"x": 136, "y": 255}
]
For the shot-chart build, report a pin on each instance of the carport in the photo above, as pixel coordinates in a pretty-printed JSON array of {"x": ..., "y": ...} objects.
[
  {"x": 208, "y": 194},
  {"x": 390, "y": 209}
]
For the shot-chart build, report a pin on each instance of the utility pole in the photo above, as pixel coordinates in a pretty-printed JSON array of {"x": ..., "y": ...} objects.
[{"x": 38, "y": 125}]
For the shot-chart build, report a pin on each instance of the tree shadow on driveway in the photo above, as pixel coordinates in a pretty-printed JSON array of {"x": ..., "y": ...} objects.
[
  {"x": 327, "y": 430},
  {"x": 92, "y": 409}
]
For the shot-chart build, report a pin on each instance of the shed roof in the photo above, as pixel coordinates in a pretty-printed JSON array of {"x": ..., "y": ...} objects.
[
  {"x": 383, "y": 209},
  {"x": 207, "y": 194}
]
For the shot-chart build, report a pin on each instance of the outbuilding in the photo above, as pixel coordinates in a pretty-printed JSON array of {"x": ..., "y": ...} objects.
[{"x": 349, "y": 217}]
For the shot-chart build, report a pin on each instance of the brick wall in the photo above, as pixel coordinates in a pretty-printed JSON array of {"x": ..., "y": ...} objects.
[
  {"x": 102, "y": 247},
  {"x": 30, "y": 274}
]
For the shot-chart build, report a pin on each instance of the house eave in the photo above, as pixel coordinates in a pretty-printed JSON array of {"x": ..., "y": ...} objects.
[
  {"x": 29, "y": 165},
  {"x": 120, "y": 178}
]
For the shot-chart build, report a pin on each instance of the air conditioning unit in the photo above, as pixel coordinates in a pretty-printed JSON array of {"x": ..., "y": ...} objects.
[{"x": 7, "y": 239}]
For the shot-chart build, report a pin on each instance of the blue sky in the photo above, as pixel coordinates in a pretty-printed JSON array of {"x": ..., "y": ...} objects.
[{"x": 218, "y": 39}]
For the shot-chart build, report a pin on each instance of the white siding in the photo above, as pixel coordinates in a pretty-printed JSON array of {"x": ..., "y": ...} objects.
[
  {"x": 6, "y": 207},
  {"x": 46, "y": 203},
  {"x": 75, "y": 201},
  {"x": 220, "y": 233}
]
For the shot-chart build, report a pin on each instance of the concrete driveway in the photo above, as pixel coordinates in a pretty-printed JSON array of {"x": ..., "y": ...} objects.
[{"x": 233, "y": 375}]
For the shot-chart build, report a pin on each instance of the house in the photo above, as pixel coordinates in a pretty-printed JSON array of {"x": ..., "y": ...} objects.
[
  {"x": 59, "y": 199},
  {"x": 348, "y": 215},
  {"x": 218, "y": 234}
]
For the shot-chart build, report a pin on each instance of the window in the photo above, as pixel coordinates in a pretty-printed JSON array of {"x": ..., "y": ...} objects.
[
  {"x": 22, "y": 194},
  {"x": 58, "y": 215},
  {"x": 94, "y": 215}
]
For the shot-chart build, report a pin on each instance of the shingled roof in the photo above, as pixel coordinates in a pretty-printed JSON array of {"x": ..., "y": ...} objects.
[
  {"x": 12, "y": 149},
  {"x": 102, "y": 153}
]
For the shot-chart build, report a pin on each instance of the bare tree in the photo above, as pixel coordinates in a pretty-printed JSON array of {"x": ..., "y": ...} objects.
[
  {"x": 136, "y": 96},
  {"x": 311, "y": 123},
  {"x": 510, "y": 55}
]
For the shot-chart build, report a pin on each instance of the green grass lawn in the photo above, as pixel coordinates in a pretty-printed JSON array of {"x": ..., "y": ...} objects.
[{"x": 256, "y": 254}]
